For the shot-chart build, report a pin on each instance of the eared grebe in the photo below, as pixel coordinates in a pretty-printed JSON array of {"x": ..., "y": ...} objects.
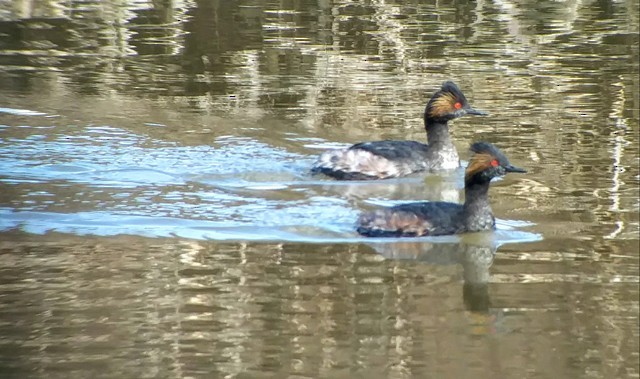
[
  {"x": 440, "y": 218},
  {"x": 390, "y": 159}
]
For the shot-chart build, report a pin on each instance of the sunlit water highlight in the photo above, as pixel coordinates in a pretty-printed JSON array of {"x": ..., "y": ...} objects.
[
  {"x": 158, "y": 219},
  {"x": 235, "y": 189}
]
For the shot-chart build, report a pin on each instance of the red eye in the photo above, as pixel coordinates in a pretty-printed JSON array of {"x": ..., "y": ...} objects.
[
  {"x": 457, "y": 105},
  {"x": 495, "y": 163}
]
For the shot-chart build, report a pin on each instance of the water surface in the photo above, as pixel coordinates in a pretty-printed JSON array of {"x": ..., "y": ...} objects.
[{"x": 158, "y": 218}]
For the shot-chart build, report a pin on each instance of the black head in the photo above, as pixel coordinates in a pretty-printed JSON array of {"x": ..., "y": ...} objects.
[
  {"x": 487, "y": 162},
  {"x": 449, "y": 103}
]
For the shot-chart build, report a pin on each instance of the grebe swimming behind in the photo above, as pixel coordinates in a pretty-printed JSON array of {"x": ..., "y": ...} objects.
[
  {"x": 442, "y": 218},
  {"x": 390, "y": 159}
]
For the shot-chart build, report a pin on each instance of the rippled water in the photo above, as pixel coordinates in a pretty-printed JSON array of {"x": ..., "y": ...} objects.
[{"x": 158, "y": 218}]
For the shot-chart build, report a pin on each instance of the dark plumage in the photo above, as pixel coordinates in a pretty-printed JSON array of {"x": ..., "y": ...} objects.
[
  {"x": 389, "y": 159},
  {"x": 441, "y": 218}
]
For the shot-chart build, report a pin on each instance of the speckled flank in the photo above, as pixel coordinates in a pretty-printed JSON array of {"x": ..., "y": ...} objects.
[
  {"x": 359, "y": 161},
  {"x": 385, "y": 159},
  {"x": 389, "y": 223}
]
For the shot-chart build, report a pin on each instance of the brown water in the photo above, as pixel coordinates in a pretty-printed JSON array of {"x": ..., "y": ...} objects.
[{"x": 157, "y": 217}]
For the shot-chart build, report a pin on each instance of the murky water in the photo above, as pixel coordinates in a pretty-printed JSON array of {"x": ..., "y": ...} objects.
[{"x": 157, "y": 217}]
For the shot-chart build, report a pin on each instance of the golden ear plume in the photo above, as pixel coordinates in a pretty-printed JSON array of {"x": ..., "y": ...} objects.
[
  {"x": 479, "y": 162},
  {"x": 443, "y": 104}
]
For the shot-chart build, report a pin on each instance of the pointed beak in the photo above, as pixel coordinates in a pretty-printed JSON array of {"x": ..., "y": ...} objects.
[
  {"x": 515, "y": 169},
  {"x": 476, "y": 112}
]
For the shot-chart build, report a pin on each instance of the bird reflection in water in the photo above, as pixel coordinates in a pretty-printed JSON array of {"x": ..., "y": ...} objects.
[
  {"x": 424, "y": 187},
  {"x": 474, "y": 252}
]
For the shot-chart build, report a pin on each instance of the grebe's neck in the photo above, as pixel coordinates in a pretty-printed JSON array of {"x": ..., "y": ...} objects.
[
  {"x": 437, "y": 133},
  {"x": 477, "y": 210}
]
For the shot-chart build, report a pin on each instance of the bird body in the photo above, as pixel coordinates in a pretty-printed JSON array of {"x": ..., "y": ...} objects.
[{"x": 392, "y": 159}]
